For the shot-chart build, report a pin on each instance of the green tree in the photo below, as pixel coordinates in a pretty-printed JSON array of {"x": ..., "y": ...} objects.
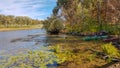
[{"x": 53, "y": 25}]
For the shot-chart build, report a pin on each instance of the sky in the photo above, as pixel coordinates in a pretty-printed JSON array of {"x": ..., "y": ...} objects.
[{"x": 36, "y": 9}]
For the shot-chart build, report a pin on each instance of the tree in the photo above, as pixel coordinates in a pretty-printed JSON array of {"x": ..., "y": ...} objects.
[
  {"x": 7, "y": 21},
  {"x": 53, "y": 25}
]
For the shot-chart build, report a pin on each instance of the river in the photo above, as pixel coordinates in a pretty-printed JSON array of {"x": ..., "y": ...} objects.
[
  {"x": 13, "y": 42},
  {"x": 21, "y": 41}
]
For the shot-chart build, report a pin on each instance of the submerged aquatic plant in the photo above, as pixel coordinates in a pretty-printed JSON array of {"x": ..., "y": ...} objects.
[
  {"x": 38, "y": 59},
  {"x": 33, "y": 59}
]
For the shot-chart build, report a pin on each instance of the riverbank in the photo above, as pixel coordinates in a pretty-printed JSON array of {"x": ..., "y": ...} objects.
[
  {"x": 20, "y": 28},
  {"x": 79, "y": 54}
]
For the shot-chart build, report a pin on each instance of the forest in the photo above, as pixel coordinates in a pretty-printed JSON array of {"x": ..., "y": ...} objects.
[
  {"x": 96, "y": 15},
  {"x": 10, "y": 21}
]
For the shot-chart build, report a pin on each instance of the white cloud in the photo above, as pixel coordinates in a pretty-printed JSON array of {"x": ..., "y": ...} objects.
[{"x": 31, "y": 8}]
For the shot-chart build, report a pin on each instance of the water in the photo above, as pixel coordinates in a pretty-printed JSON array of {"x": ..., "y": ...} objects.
[
  {"x": 8, "y": 47},
  {"x": 21, "y": 41}
]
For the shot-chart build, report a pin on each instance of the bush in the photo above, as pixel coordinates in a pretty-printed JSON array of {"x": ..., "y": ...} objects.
[
  {"x": 110, "y": 50},
  {"x": 63, "y": 55},
  {"x": 53, "y": 25}
]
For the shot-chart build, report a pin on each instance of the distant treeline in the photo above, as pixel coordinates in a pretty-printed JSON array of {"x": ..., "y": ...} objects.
[{"x": 10, "y": 20}]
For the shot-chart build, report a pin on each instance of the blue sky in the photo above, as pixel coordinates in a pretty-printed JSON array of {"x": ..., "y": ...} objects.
[{"x": 36, "y": 9}]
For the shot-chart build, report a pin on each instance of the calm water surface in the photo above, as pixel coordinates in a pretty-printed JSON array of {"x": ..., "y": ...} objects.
[
  {"x": 22, "y": 41},
  {"x": 13, "y": 42}
]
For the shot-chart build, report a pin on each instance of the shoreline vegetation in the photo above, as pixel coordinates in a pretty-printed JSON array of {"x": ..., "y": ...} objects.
[
  {"x": 93, "y": 23},
  {"x": 3, "y": 29},
  {"x": 10, "y": 22}
]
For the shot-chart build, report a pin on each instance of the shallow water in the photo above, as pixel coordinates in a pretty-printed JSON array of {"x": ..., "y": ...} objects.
[
  {"x": 8, "y": 47},
  {"x": 22, "y": 41}
]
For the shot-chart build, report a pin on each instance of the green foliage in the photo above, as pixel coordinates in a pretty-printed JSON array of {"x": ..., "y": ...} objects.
[
  {"x": 56, "y": 25},
  {"x": 90, "y": 25},
  {"x": 64, "y": 3},
  {"x": 75, "y": 28},
  {"x": 63, "y": 55},
  {"x": 84, "y": 16},
  {"x": 56, "y": 48},
  {"x": 109, "y": 59},
  {"x": 53, "y": 24},
  {"x": 111, "y": 28},
  {"x": 110, "y": 50},
  {"x": 92, "y": 57},
  {"x": 18, "y": 21}
]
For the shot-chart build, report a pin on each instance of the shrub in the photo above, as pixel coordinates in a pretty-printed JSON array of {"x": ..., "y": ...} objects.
[
  {"x": 53, "y": 25},
  {"x": 110, "y": 50},
  {"x": 63, "y": 55}
]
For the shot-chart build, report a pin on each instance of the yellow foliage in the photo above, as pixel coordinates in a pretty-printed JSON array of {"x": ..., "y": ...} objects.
[{"x": 110, "y": 50}]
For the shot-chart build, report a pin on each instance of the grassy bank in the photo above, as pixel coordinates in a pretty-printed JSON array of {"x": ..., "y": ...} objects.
[
  {"x": 76, "y": 53},
  {"x": 20, "y": 28},
  {"x": 79, "y": 55}
]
